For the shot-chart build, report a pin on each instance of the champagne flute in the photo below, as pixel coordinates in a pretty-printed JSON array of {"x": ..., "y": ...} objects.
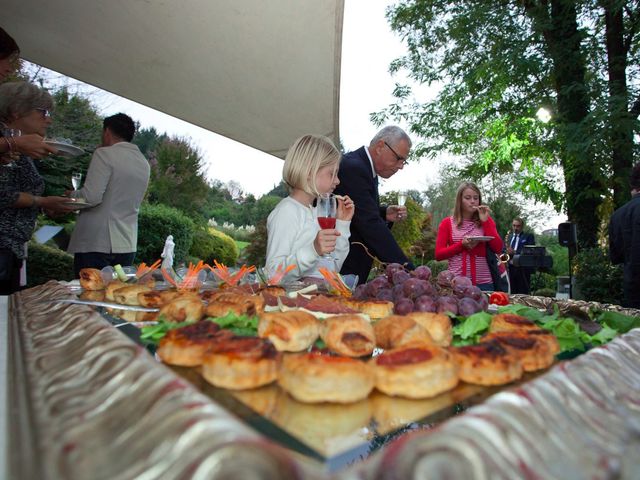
[
  {"x": 326, "y": 211},
  {"x": 402, "y": 198},
  {"x": 10, "y": 157},
  {"x": 76, "y": 178}
]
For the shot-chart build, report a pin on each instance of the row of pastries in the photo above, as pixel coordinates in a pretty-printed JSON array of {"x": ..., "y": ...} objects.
[{"x": 415, "y": 359}]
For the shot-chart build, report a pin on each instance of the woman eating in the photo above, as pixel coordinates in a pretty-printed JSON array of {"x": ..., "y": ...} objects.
[{"x": 463, "y": 238}]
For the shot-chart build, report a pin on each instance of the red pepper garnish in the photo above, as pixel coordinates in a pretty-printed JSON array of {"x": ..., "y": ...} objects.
[{"x": 499, "y": 298}]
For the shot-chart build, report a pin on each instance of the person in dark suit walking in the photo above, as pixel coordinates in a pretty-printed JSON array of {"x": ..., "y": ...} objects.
[
  {"x": 371, "y": 224},
  {"x": 624, "y": 241},
  {"x": 519, "y": 277}
]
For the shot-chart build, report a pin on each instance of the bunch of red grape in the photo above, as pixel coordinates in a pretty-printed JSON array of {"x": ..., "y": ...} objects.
[{"x": 416, "y": 291}]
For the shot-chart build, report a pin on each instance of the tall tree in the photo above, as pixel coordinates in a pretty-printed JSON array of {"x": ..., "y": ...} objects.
[
  {"x": 497, "y": 63},
  {"x": 177, "y": 179}
]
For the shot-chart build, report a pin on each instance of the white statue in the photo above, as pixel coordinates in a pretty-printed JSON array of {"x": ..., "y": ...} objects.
[{"x": 167, "y": 253}]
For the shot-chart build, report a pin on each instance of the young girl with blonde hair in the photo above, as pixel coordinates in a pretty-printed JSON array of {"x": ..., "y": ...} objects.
[{"x": 294, "y": 235}]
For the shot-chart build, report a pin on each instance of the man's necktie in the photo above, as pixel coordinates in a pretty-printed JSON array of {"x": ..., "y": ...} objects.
[{"x": 514, "y": 241}]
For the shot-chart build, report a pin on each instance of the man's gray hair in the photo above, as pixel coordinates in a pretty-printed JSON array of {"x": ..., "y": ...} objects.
[
  {"x": 20, "y": 98},
  {"x": 391, "y": 134}
]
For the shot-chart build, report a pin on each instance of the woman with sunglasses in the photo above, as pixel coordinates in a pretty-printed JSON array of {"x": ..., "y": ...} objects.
[
  {"x": 31, "y": 145},
  {"x": 23, "y": 107}
]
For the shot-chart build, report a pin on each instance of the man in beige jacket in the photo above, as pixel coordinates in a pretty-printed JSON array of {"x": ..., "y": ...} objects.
[{"x": 106, "y": 232}]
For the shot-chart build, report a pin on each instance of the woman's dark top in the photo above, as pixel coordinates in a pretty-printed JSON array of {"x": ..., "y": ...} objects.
[{"x": 17, "y": 224}]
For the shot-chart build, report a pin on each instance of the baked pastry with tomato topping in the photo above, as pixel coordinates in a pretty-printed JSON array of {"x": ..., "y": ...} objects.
[
  {"x": 416, "y": 371},
  {"x": 398, "y": 330},
  {"x": 437, "y": 324},
  {"x": 350, "y": 335},
  {"x": 321, "y": 377},
  {"x": 291, "y": 331},
  {"x": 509, "y": 322},
  {"x": 241, "y": 362},
  {"x": 487, "y": 363},
  {"x": 157, "y": 298},
  {"x": 187, "y": 307},
  {"x": 186, "y": 346},
  {"x": 373, "y": 308},
  {"x": 532, "y": 350},
  {"x": 91, "y": 279}
]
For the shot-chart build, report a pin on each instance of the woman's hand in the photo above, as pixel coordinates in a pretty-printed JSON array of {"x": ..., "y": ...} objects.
[
  {"x": 346, "y": 208},
  {"x": 33, "y": 145},
  {"x": 483, "y": 212},
  {"x": 468, "y": 243},
  {"x": 325, "y": 241},
  {"x": 56, "y": 205}
]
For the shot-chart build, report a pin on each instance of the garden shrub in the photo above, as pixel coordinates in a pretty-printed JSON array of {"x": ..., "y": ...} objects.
[
  {"x": 155, "y": 223},
  {"x": 256, "y": 252},
  {"x": 597, "y": 280},
  {"x": 214, "y": 245},
  {"x": 47, "y": 263}
]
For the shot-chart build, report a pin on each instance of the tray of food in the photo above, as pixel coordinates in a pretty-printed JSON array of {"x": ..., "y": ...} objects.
[
  {"x": 312, "y": 422},
  {"x": 279, "y": 356}
]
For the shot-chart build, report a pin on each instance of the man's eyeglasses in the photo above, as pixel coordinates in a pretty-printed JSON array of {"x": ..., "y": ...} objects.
[
  {"x": 45, "y": 113},
  {"x": 398, "y": 157}
]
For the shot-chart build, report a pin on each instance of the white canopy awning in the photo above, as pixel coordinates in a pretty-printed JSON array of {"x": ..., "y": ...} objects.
[{"x": 259, "y": 72}]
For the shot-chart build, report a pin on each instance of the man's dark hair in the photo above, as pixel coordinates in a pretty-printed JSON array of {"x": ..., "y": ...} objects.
[
  {"x": 8, "y": 45},
  {"x": 120, "y": 125},
  {"x": 634, "y": 179}
]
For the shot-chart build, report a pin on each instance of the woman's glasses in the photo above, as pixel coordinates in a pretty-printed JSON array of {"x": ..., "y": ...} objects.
[{"x": 45, "y": 113}]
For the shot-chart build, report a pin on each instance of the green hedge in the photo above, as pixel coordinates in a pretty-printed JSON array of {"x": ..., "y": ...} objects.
[
  {"x": 597, "y": 280},
  {"x": 214, "y": 245},
  {"x": 47, "y": 263},
  {"x": 155, "y": 223}
]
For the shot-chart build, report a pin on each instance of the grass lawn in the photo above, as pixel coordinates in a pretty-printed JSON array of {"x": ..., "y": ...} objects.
[{"x": 241, "y": 245}]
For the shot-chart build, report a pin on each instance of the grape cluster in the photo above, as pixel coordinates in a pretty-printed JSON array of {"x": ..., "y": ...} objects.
[{"x": 416, "y": 291}]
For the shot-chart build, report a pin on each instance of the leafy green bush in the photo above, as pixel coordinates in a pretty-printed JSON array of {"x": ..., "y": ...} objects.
[
  {"x": 545, "y": 292},
  {"x": 256, "y": 252},
  {"x": 47, "y": 263},
  {"x": 155, "y": 223},
  {"x": 597, "y": 280},
  {"x": 214, "y": 245},
  {"x": 239, "y": 234}
]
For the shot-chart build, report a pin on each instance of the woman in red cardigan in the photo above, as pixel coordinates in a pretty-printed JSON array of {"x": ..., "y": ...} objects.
[{"x": 457, "y": 239}]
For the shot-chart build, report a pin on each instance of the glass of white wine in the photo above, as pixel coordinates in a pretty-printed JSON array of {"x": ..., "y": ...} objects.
[
  {"x": 8, "y": 159},
  {"x": 402, "y": 198},
  {"x": 76, "y": 178}
]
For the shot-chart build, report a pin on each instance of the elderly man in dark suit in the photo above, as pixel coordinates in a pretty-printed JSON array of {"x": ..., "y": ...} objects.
[
  {"x": 370, "y": 227},
  {"x": 624, "y": 241},
  {"x": 519, "y": 277}
]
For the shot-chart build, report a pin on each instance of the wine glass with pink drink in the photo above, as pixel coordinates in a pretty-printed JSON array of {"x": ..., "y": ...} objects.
[{"x": 326, "y": 211}]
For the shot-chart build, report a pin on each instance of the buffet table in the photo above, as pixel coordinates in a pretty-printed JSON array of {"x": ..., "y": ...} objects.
[{"x": 88, "y": 402}]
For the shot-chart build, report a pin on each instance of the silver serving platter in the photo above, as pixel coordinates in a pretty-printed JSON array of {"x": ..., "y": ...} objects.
[{"x": 87, "y": 402}]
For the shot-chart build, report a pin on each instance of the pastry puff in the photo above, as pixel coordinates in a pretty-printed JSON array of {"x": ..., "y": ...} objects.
[
  {"x": 316, "y": 377},
  {"x": 111, "y": 289},
  {"x": 437, "y": 324},
  {"x": 416, "y": 371},
  {"x": 185, "y": 308},
  {"x": 350, "y": 335},
  {"x": 397, "y": 330},
  {"x": 291, "y": 331},
  {"x": 129, "y": 295},
  {"x": 91, "y": 279}
]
